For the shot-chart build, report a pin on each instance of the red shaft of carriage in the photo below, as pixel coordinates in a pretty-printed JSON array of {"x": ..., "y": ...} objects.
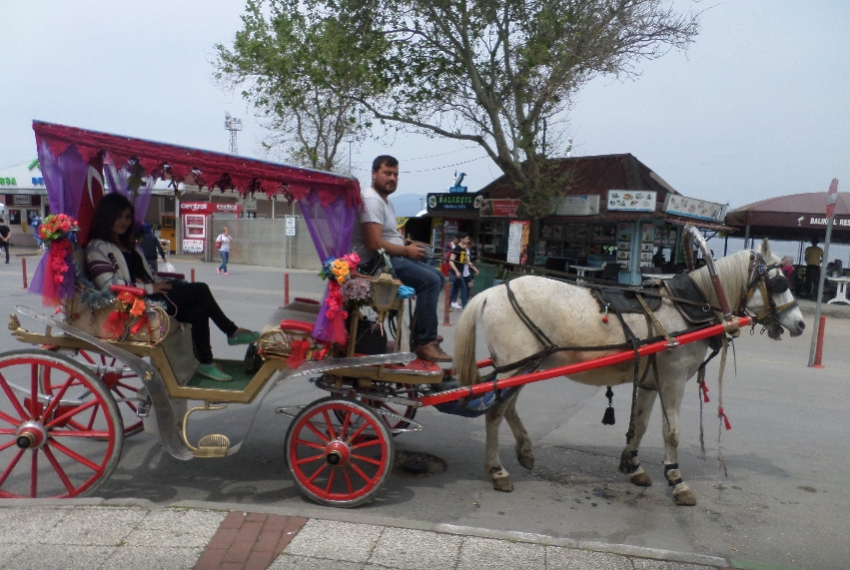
[{"x": 624, "y": 356}]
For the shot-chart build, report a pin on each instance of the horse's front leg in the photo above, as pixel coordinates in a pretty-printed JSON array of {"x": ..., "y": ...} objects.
[
  {"x": 643, "y": 409},
  {"x": 671, "y": 399},
  {"x": 492, "y": 463},
  {"x": 524, "y": 449}
]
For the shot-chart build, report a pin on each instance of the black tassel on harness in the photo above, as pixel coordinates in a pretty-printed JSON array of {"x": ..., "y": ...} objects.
[{"x": 608, "y": 417}]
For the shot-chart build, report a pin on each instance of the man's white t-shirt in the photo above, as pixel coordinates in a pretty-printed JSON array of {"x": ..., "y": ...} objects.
[{"x": 375, "y": 211}]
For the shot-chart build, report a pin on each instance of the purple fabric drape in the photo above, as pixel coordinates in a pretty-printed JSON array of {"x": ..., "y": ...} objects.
[
  {"x": 117, "y": 179},
  {"x": 330, "y": 228},
  {"x": 65, "y": 179}
]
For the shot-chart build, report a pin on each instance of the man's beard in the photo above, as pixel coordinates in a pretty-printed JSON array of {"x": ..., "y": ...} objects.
[{"x": 383, "y": 189}]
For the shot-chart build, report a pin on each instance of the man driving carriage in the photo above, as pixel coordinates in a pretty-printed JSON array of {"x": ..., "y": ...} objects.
[{"x": 377, "y": 230}]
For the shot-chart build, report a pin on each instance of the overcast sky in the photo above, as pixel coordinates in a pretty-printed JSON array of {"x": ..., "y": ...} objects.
[{"x": 758, "y": 107}]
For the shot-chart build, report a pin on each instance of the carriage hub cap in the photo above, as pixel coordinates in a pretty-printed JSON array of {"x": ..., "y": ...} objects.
[
  {"x": 31, "y": 435},
  {"x": 337, "y": 453}
]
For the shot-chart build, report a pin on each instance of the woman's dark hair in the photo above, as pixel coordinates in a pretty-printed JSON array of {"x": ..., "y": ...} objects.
[{"x": 108, "y": 210}]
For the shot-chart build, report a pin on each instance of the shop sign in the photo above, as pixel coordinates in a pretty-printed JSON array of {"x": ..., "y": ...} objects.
[
  {"x": 499, "y": 208},
  {"x": 457, "y": 201},
  {"x": 632, "y": 200},
  {"x": 693, "y": 208},
  {"x": 7, "y": 181},
  {"x": 193, "y": 246},
  {"x": 290, "y": 226},
  {"x": 22, "y": 200},
  {"x": 577, "y": 205},
  {"x": 518, "y": 235},
  {"x": 210, "y": 207}
]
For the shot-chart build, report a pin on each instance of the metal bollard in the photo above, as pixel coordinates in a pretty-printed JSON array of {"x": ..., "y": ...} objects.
[
  {"x": 447, "y": 322},
  {"x": 819, "y": 348},
  {"x": 24, "y": 266},
  {"x": 285, "y": 289},
  {"x": 193, "y": 275}
]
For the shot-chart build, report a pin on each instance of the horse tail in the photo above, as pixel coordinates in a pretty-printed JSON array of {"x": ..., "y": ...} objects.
[{"x": 466, "y": 371}]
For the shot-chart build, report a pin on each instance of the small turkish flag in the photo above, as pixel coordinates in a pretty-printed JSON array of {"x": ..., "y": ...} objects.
[{"x": 831, "y": 198}]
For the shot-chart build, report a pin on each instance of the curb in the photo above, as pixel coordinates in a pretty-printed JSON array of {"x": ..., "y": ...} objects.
[{"x": 353, "y": 517}]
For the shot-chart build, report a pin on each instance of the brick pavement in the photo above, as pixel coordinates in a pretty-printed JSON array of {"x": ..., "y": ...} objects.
[{"x": 249, "y": 541}]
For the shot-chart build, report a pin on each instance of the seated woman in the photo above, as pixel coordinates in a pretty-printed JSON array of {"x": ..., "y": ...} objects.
[{"x": 113, "y": 258}]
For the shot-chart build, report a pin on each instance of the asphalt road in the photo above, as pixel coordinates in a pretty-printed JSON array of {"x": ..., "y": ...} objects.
[{"x": 783, "y": 501}]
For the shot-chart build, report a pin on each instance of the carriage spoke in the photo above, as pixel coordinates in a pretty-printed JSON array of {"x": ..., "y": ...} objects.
[
  {"x": 7, "y": 418},
  {"x": 330, "y": 481},
  {"x": 315, "y": 430},
  {"x": 329, "y": 424},
  {"x": 85, "y": 355},
  {"x": 33, "y": 389},
  {"x": 347, "y": 480},
  {"x": 13, "y": 398},
  {"x": 366, "y": 444},
  {"x": 34, "y": 475},
  {"x": 80, "y": 433},
  {"x": 93, "y": 416},
  {"x": 59, "y": 471},
  {"x": 310, "y": 459},
  {"x": 8, "y": 444},
  {"x": 345, "y": 424},
  {"x": 71, "y": 413},
  {"x": 355, "y": 434},
  {"x": 309, "y": 444},
  {"x": 75, "y": 456},
  {"x": 360, "y": 472},
  {"x": 11, "y": 466},
  {"x": 366, "y": 459},
  {"x": 316, "y": 474},
  {"x": 54, "y": 402}
]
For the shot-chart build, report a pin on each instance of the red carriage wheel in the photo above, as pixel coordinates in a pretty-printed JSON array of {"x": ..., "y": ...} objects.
[
  {"x": 395, "y": 424},
  {"x": 61, "y": 443},
  {"x": 339, "y": 452},
  {"x": 123, "y": 383}
]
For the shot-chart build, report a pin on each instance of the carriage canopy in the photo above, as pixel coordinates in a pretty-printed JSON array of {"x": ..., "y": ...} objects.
[{"x": 75, "y": 163}]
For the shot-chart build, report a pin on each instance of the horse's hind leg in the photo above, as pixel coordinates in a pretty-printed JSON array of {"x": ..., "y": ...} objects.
[
  {"x": 643, "y": 409},
  {"x": 524, "y": 449},
  {"x": 673, "y": 394},
  {"x": 501, "y": 477}
]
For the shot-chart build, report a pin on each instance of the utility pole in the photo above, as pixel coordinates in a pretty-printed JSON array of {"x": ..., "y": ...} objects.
[{"x": 234, "y": 126}]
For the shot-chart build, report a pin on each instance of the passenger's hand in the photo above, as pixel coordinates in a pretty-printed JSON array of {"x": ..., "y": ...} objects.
[
  {"x": 414, "y": 251},
  {"x": 161, "y": 286},
  {"x": 457, "y": 273}
]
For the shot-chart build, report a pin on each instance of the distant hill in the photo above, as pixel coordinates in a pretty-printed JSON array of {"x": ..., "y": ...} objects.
[{"x": 408, "y": 205}]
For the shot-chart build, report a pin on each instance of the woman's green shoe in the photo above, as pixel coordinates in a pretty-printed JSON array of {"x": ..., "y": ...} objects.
[
  {"x": 214, "y": 372},
  {"x": 243, "y": 336}
]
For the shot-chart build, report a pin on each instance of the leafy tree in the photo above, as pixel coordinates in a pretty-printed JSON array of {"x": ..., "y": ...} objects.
[
  {"x": 501, "y": 73},
  {"x": 286, "y": 61}
]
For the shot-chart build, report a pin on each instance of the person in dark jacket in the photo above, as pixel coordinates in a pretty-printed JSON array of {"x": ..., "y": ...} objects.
[{"x": 150, "y": 247}]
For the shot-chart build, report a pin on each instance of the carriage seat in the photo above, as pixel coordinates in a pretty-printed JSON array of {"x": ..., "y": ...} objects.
[
  {"x": 91, "y": 321},
  {"x": 303, "y": 310}
]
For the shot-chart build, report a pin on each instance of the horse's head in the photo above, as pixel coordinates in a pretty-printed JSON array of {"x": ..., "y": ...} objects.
[{"x": 769, "y": 295}]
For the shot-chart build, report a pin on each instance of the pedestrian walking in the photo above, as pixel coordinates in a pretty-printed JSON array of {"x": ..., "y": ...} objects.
[
  {"x": 5, "y": 236},
  {"x": 469, "y": 271},
  {"x": 35, "y": 224},
  {"x": 222, "y": 243},
  {"x": 457, "y": 258},
  {"x": 151, "y": 247}
]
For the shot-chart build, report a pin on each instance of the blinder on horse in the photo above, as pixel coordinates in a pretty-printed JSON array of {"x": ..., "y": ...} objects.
[{"x": 760, "y": 280}]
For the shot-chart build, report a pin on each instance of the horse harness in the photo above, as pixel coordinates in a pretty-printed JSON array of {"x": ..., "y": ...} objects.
[{"x": 758, "y": 279}]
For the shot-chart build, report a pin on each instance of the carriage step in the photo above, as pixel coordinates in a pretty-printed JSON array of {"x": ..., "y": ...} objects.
[{"x": 213, "y": 445}]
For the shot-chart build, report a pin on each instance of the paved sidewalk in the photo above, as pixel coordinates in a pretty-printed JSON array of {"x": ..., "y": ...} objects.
[{"x": 131, "y": 534}]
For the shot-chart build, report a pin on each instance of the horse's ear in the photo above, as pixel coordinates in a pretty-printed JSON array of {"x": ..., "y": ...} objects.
[{"x": 764, "y": 249}]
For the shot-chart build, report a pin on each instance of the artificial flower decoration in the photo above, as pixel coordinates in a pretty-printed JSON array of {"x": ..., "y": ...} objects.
[
  {"x": 338, "y": 271},
  {"x": 57, "y": 231},
  {"x": 128, "y": 306}
]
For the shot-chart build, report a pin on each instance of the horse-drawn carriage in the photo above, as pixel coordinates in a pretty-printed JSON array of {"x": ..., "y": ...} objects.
[{"x": 108, "y": 366}]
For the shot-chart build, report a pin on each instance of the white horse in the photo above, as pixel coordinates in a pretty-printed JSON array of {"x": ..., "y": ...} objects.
[{"x": 570, "y": 316}]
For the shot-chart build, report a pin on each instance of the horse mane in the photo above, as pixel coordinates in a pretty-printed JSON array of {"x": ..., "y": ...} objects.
[{"x": 733, "y": 271}]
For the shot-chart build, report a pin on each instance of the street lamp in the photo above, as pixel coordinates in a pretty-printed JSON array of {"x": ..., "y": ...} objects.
[{"x": 234, "y": 126}]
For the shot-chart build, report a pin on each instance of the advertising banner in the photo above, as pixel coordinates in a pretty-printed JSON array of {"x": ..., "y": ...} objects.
[
  {"x": 499, "y": 208},
  {"x": 632, "y": 200},
  {"x": 693, "y": 208},
  {"x": 518, "y": 235},
  {"x": 457, "y": 201},
  {"x": 577, "y": 205}
]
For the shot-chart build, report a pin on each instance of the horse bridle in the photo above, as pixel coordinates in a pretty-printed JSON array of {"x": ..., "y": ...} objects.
[{"x": 759, "y": 279}]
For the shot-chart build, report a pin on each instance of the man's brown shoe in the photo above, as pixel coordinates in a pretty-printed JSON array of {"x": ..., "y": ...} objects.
[{"x": 433, "y": 352}]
